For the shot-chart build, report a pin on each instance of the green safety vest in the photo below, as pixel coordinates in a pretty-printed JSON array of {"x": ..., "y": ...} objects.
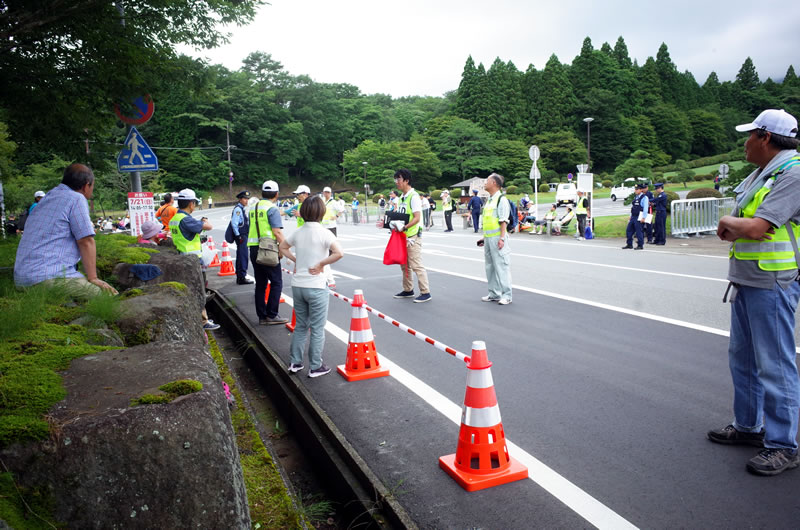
[
  {"x": 580, "y": 209},
  {"x": 450, "y": 204},
  {"x": 491, "y": 224},
  {"x": 330, "y": 213},
  {"x": 184, "y": 246},
  {"x": 405, "y": 207},
  {"x": 776, "y": 254},
  {"x": 263, "y": 222}
]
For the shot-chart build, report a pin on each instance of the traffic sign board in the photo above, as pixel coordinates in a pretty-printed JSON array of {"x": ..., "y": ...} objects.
[
  {"x": 533, "y": 153},
  {"x": 723, "y": 170},
  {"x": 136, "y": 155},
  {"x": 569, "y": 176},
  {"x": 143, "y": 109}
]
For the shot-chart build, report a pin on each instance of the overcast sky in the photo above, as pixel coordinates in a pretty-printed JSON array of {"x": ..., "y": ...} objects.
[{"x": 416, "y": 47}]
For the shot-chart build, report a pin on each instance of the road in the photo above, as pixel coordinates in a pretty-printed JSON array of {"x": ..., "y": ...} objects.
[{"x": 609, "y": 368}]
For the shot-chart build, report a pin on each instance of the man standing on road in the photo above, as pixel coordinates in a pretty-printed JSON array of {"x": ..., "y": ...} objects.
[
  {"x": 581, "y": 209},
  {"x": 411, "y": 204},
  {"x": 166, "y": 211},
  {"x": 636, "y": 221},
  {"x": 474, "y": 206},
  {"x": 265, "y": 221},
  {"x": 449, "y": 206},
  {"x": 496, "y": 253},
  {"x": 333, "y": 209},
  {"x": 648, "y": 227},
  {"x": 240, "y": 225},
  {"x": 302, "y": 192},
  {"x": 660, "y": 222},
  {"x": 764, "y": 292},
  {"x": 59, "y": 236}
]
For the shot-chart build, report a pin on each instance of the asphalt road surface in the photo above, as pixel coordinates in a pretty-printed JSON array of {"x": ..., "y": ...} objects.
[{"x": 610, "y": 365}]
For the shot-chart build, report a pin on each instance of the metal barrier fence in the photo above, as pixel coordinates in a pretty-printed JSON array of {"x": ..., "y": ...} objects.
[{"x": 693, "y": 216}]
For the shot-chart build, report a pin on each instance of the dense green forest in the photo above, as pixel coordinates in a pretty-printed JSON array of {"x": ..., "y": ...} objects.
[{"x": 60, "y": 79}]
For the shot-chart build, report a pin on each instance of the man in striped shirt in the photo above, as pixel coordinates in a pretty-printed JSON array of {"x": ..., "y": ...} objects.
[{"x": 58, "y": 234}]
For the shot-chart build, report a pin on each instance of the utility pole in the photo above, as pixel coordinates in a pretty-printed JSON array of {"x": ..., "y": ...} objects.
[
  {"x": 136, "y": 178},
  {"x": 230, "y": 168}
]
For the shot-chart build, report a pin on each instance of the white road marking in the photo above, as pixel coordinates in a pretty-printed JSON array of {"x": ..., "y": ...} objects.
[
  {"x": 345, "y": 275},
  {"x": 595, "y": 512}
]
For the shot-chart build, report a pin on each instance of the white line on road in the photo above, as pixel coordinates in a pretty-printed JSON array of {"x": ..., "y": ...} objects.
[
  {"x": 559, "y": 487},
  {"x": 345, "y": 275}
]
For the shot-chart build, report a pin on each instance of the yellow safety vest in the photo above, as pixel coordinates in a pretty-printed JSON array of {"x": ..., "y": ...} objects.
[
  {"x": 263, "y": 206},
  {"x": 776, "y": 254},
  {"x": 405, "y": 207},
  {"x": 184, "y": 246},
  {"x": 330, "y": 213},
  {"x": 580, "y": 208},
  {"x": 491, "y": 224}
]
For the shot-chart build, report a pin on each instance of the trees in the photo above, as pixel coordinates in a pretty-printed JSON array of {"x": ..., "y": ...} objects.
[
  {"x": 463, "y": 148},
  {"x": 638, "y": 165},
  {"x": 383, "y": 159},
  {"x": 561, "y": 150}
]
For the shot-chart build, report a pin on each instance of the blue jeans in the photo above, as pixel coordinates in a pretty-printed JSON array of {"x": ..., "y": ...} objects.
[
  {"x": 311, "y": 313},
  {"x": 766, "y": 386}
]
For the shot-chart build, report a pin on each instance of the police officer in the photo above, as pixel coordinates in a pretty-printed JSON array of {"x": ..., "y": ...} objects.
[
  {"x": 660, "y": 222},
  {"x": 648, "y": 227},
  {"x": 475, "y": 206},
  {"x": 240, "y": 225},
  {"x": 638, "y": 207}
]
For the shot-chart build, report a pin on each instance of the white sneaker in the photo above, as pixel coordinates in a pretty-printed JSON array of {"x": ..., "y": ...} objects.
[
  {"x": 488, "y": 298},
  {"x": 504, "y": 301}
]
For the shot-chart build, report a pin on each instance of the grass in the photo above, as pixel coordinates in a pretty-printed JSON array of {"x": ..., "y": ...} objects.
[
  {"x": 614, "y": 226},
  {"x": 269, "y": 503},
  {"x": 735, "y": 165}
]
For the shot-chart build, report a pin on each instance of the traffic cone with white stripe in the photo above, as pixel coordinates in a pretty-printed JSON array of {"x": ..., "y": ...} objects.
[
  {"x": 227, "y": 262},
  {"x": 481, "y": 459},
  {"x": 362, "y": 359},
  {"x": 291, "y": 325},
  {"x": 266, "y": 295},
  {"x": 214, "y": 262}
]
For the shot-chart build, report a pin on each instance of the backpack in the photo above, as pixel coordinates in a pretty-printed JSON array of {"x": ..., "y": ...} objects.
[
  {"x": 513, "y": 218},
  {"x": 433, "y": 204}
]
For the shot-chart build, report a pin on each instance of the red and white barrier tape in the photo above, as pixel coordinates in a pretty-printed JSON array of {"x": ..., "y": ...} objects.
[{"x": 421, "y": 336}]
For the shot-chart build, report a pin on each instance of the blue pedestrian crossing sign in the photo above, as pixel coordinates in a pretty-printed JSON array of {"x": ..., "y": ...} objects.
[{"x": 136, "y": 155}]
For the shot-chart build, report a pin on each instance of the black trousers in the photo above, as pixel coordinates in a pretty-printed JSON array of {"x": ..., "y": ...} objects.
[
  {"x": 266, "y": 275},
  {"x": 241, "y": 260},
  {"x": 448, "y": 220},
  {"x": 660, "y": 228},
  {"x": 634, "y": 226},
  {"x": 476, "y": 220},
  {"x": 581, "y": 224}
]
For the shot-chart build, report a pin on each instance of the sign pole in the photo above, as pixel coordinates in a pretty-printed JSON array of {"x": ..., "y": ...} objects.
[
  {"x": 136, "y": 178},
  {"x": 534, "y": 154}
]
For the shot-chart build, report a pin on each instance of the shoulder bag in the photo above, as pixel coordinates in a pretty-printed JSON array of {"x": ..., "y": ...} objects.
[{"x": 268, "y": 254}]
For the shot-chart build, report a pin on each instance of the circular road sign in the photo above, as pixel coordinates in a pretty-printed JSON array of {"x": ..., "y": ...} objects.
[
  {"x": 533, "y": 152},
  {"x": 569, "y": 176},
  {"x": 142, "y": 111}
]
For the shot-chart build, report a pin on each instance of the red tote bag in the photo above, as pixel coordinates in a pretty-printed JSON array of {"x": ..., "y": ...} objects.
[{"x": 396, "y": 252}]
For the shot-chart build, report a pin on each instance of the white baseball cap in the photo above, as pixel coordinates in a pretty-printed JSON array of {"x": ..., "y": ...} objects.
[
  {"x": 774, "y": 121},
  {"x": 269, "y": 185},
  {"x": 38, "y": 194},
  {"x": 187, "y": 194},
  {"x": 302, "y": 189},
  {"x": 326, "y": 188}
]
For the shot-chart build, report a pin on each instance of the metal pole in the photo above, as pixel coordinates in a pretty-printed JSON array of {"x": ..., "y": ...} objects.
[
  {"x": 366, "y": 193},
  {"x": 230, "y": 169},
  {"x": 136, "y": 179}
]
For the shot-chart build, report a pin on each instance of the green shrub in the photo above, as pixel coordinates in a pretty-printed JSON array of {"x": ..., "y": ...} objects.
[
  {"x": 512, "y": 190},
  {"x": 525, "y": 187},
  {"x": 544, "y": 188},
  {"x": 377, "y": 197},
  {"x": 346, "y": 196},
  {"x": 702, "y": 193},
  {"x": 607, "y": 184},
  {"x": 436, "y": 194},
  {"x": 671, "y": 196}
]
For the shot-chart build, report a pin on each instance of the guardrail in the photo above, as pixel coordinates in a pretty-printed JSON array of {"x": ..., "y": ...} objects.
[{"x": 694, "y": 216}]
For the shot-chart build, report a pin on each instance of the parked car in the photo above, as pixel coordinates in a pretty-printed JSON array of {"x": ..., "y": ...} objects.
[
  {"x": 624, "y": 189},
  {"x": 567, "y": 193}
]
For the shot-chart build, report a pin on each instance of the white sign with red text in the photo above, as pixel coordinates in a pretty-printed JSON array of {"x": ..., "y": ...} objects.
[{"x": 141, "y": 209}]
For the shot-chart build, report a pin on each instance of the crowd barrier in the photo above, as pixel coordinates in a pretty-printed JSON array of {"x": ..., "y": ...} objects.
[
  {"x": 694, "y": 216},
  {"x": 481, "y": 459}
]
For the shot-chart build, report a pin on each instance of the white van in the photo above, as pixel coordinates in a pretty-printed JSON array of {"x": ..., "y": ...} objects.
[{"x": 566, "y": 193}]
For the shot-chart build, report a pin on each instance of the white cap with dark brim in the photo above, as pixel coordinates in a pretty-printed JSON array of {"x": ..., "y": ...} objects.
[
  {"x": 774, "y": 121},
  {"x": 187, "y": 194},
  {"x": 270, "y": 185},
  {"x": 302, "y": 189}
]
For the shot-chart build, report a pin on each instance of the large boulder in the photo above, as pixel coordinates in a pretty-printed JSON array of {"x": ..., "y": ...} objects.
[
  {"x": 162, "y": 312},
  {"x": 175, "y": 267},
  {"x": 111, "y": 465}
]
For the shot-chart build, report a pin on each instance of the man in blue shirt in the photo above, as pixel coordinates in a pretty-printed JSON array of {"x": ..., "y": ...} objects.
[
  {"x": 38, "y": 196},
  {"x": 240, "y": 226},
  {"x": 474, "y": 206},
  {"x": 60, "y": 235},
  {"x": 635, "y": 223}
]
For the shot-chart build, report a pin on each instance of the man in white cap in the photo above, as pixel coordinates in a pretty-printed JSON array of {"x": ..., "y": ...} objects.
[
  {"x": 302, "y": 192},
  {"x": 38, "y": 196},
  {"x": 185, "y": 231},
  {"x": 449, "y": 206},
  {"x": 333, "y": 209},
  {"x": 265, "y": 221},
  {"x": 764, "y": 292}
]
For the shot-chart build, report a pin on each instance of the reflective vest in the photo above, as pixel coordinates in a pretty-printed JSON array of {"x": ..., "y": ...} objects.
[
  {"x": 329, "y": 219},
  {"x": 580, "y": 208},
  {"x": 449, "y": 205},
  {"x": 405, "y": 207},
  {"x": 263, "y": 226},
  {"x": 184, "y": 246},
  {"x": 776, "y": 254},
  {"x": 491, "y": 224}
]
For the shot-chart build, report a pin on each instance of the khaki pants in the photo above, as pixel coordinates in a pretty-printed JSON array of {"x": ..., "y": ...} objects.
[
  {"x": 415, "y": 264},
  {"x": 77, "y": 288}
]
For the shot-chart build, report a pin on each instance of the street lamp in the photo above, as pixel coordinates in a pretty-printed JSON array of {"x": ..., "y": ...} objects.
[
  {"x": 588, "y": 140},
  {"x": 366, "y": 204}
]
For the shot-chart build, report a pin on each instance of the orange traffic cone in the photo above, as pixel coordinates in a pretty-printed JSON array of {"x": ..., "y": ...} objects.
[
  {"x": 266, "y": 295},
  {"x": 214, "y": 262},
  {"x": 291, "y": 325},
  {"x": 227, "y": 263},
  {"x": 362, "y": 359},
  {"x": 481, "y": 459}
]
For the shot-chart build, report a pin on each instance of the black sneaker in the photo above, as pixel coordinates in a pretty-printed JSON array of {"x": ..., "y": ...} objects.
[
  {"x": 773, "y": 461},
  {"x": 405, "y": 294},
  {"x": 422, "y": 298},
  {"x": 322, "y": 370},
  {"x": 730, "y": 436},
  {"x": 627, "y": 246},
  {"x": 273, "y": 321}
]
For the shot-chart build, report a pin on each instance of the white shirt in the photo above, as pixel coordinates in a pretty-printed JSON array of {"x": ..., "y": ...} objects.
[
  {"x": 426, "y": 205},
  {"x": 311, "y": 244},
  {"x": 416, "y": 203}
]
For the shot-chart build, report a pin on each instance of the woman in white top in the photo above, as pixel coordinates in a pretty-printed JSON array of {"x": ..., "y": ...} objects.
[{"x": 315, "y": 247}]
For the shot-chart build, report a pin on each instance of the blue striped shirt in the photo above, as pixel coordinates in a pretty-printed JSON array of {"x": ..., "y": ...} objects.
[{"x": 48, "y": 248}]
